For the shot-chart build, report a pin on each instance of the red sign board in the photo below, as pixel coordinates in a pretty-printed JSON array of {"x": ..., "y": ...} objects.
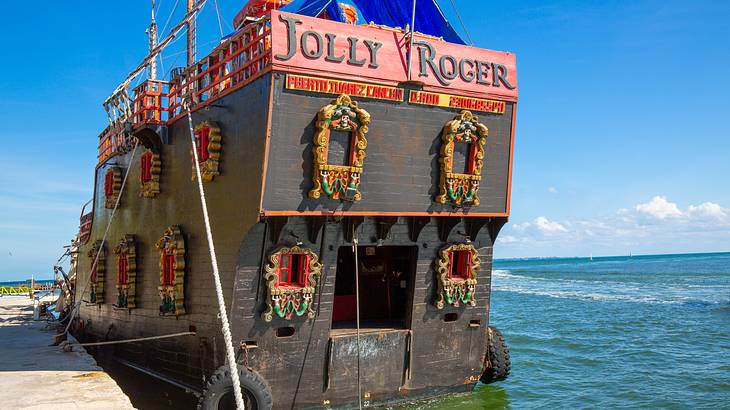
[{"x": 315, "y": 46}]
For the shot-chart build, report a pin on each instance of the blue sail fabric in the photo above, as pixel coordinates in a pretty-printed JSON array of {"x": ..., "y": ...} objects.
[{"x": 393, "y": 13}]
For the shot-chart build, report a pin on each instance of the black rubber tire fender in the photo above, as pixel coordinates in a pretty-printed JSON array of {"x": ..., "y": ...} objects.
[
  {"x": 257, "y": 394},
  {"x": 497, "y": 361}
]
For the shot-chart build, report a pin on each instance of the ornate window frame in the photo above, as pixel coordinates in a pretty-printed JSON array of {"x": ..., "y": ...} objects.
[
  {"x": 336, "y": 180},
  {"x": 286, "y": 300},
  {"x": 462, "y": 288},
  {"x": 456, "y": 188},
  {"x": 126, "y": 252},
  {"x": 112, "y": 186},
  {"x": 96, "y": 294},
  {"x": 172, "y": 271},
  {"x": 150, "y": 165},
  {"x": 208, "y": 141}
]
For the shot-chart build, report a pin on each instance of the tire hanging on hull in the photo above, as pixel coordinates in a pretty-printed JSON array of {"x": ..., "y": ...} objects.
[
  {"x": 218, "y": 393},
  {"x": 497, "y": 363}
]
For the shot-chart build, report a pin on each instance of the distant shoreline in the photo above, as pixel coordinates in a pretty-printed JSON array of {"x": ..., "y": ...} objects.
[{"x": 604, "y": 257}]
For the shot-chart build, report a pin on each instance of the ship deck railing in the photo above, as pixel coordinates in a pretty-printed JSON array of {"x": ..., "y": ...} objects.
[{"x": 237, "y": 61}]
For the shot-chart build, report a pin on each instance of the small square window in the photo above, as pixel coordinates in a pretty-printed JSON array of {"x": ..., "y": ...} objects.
[
  {"x": 293, "y": 269},
  {"x": 460, "y": 262}
]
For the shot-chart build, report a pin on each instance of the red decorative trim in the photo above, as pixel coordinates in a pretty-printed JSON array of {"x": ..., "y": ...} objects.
[
  {"x": 126, "y": 252},
  {"x": 112, "y": 186},
  {"x": 208, "y": 146},
  {"x": 150, "y": 166}
]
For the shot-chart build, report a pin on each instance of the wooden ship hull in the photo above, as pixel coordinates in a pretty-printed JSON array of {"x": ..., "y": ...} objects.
[{"x": 304, "y": 160}]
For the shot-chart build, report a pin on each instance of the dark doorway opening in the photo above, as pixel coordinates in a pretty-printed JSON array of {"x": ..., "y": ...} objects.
[{"x": 386, "y": 286}]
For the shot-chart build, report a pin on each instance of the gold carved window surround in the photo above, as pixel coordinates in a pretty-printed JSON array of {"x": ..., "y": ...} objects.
[
  {"x": 208, "y": 143},
  {"x": 462, "y": 189},
  {"x": 150, "y": 166},
  {"x": 456, "y": 273},
  {"x": 291, "y": 276},
  {"x": 112, "y": 186},
  {"x": 172, "y": 271},
  {"x": 339, "y": 181},
  {"x": 126, "y": 252},
  {"x": 96, "y": 295}
]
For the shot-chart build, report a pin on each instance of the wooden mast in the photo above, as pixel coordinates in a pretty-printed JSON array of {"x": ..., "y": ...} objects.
[
  {"x": 191, "y": 33},
  {"x": 152, "y": 33}
]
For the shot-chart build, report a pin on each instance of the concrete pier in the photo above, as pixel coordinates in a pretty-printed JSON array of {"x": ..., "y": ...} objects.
[{"x": 34, "y": 375}]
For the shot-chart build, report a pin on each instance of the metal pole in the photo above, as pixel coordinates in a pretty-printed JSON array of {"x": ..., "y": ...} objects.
[
  {"x": 191, "y": 34},
  {"x": 357, "y": 315},
  {"x": 410, "y": 41}
]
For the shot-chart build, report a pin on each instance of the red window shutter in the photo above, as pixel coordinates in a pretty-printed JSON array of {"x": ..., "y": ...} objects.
[
  {"x": 109, "y": 183},
  {"x": 472, "y": 158},
  {"x": 285, "y": 269},
  {"x": 146, "y": 167},
  {"x": 203, "y": 140},
  {"x": 122, "y": 269},
  {"x": 168, "y": 270},
  {"x": 303, "y": 270},
  {"x": 467, "y": 265}
]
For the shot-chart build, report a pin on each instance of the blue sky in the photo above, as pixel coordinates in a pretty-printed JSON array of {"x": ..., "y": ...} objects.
[{"x": 622, "y": 127}]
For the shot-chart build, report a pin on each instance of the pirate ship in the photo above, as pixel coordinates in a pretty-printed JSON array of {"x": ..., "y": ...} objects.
[{"x": 356, "y": 160}]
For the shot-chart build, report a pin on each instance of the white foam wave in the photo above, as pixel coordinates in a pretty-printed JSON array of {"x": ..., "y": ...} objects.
[{"x": 606, "y": 291}]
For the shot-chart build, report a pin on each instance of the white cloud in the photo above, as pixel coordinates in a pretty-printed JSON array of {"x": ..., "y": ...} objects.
[
  {"x": 521, "y": 227},
  {"x": 656, "y": 226},
  {"x": 659, "y": 208},
  {"x": 507, "y": 239},
  {"x": 553, "y": 190},
  {"x": 709, "y": 209},
  {"x": 549, "y": 227}
]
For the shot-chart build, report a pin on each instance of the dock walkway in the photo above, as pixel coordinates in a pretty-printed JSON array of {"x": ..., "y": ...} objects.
[{"x": 34, "y": 375}]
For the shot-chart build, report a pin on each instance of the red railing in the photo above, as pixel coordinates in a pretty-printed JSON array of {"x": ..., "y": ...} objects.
[
  {"x": 234, "y": 63},
  {"x": 150, "y": 102}
]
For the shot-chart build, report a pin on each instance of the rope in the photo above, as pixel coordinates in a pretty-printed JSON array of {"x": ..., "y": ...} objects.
[
  {"x": 468, "y": 36},
  {"x": 230, "y": 354},
  {"x": 139, "y": 339},
  {"x": 77, "y": 304},
  {"x": 357, "y": 315},
  {"x": 162, "y": 32},
  {"x": 218, "y": 13}
]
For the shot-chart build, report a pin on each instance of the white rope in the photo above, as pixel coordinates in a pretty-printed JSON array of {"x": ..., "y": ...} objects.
[
  {"x": 230, "y": 354},
  {"x": 218, "y": 13},
  {"x": 77, "y": 304},
  {"x": 162, "y": 32},
  {"x": 139, "y": 339}
]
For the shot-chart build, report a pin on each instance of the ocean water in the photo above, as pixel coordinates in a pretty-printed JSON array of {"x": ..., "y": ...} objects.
[{"x": 619, "y": 332}]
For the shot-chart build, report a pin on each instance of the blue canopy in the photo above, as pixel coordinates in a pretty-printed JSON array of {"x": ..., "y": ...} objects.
[{"x": 393, "y": 13}]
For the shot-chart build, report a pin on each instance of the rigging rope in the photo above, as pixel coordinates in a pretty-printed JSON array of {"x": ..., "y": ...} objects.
[
  {"x": 468, "y": 36},
  {"x": 77, "y": 304},
  {"x": 218, "y": 13},
  {"x": 162, "y": 32},
  {"x": 138, "y": 339},
  {"x": 357, "y": 315},
  {"x": 230, "y": 354}
]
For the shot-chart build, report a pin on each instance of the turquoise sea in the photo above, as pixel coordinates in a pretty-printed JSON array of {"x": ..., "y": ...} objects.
[{"x": 616, "y": 332}]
